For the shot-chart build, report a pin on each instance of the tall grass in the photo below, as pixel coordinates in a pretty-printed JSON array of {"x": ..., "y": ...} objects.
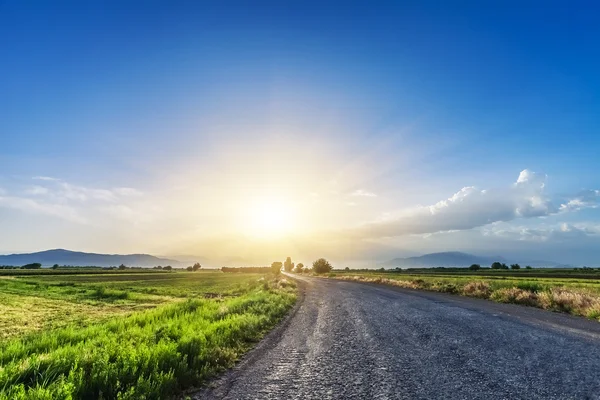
[{"x": 148, "y": 355}]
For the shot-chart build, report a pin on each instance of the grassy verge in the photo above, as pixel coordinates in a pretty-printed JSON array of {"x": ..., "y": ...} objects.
[
  {"x": 151, "y": 354},
  {"x": 574, "y": 296}
]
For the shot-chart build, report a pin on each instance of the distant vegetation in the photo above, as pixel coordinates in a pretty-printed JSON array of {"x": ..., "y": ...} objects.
[
  {"x": 258, "y": 270},
  {"x": 129, "y": 335}
]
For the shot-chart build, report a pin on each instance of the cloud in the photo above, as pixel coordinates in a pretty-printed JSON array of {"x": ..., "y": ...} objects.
[
  {"x": 585, "y": 199},
  {"x": 37, "y": 207},
  {"x": 467, "y": 209},
  {"x": 558, "y": 232},
  {"x": 362, "y": 193},
  {"x": 55, "y": 197},
  {"x": 61, "y": 190},
  {"x": 45, "y": 178}
]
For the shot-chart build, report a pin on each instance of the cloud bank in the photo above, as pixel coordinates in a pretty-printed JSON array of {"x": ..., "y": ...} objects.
[{"x": 471, "y": 207}]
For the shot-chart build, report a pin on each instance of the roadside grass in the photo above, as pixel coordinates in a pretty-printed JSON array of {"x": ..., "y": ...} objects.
[
  {"x": 570, "y": 295},
  {"x": 199, "y": 325}
]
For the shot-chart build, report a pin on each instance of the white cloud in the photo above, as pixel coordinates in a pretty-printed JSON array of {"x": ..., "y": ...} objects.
[
  {"x": 468, "y": 208},
  {"x": 55, "y": 197},
  {"x": 37, "y": 207},
  {"x": 362, "y": 193},
  {"x": 557, "y": 232},
  {"x": 585, "y": 199},
  {"x": 45, "y": 178}
]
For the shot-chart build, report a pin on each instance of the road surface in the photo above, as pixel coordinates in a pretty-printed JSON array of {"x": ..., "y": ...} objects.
[{"x": 347, "y": 340}]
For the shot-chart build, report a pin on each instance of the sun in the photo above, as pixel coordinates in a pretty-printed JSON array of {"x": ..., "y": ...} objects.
[{"x": 271, "y": 218}]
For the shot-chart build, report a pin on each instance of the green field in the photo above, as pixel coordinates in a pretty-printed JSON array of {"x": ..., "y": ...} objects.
[
  {"x": 555, "y": 290},
  {"x": 125, "y": 335}
]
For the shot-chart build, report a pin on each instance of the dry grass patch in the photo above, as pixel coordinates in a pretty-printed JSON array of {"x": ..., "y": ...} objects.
[
  {"x": 477, "y": 289},
  {"x": 559, "y": 299},
  {"x": 515, "y": 296},
  {"x": 379, "y": 280}
]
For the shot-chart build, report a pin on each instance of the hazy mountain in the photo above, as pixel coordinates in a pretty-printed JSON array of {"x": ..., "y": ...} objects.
[
  {"x": 445, "y": 259},
  {"x": 459, "y": 259},
  {"x": 75, "y": 258}
]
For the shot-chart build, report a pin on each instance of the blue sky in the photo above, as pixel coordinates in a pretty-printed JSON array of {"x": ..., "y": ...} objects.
[{"x": 162, "y": 124}]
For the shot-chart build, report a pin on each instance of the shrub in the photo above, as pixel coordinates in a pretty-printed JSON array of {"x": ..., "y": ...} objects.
[
  {"x": 288, "y": 265},
  {"x": 276, "y": 267},
  {"x": 322, "y": 266}
]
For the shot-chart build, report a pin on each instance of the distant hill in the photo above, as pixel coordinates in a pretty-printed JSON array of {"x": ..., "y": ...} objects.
[
  {"x": 459, "y": 259},
  {"x": 445, "y": 259},
  {"x": 75, "y": 258}
]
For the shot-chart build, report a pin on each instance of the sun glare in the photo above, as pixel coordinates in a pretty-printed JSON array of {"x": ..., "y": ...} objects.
[{"x": 271, "y": 218}]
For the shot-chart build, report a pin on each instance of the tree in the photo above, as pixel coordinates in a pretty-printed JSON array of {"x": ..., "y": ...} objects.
[
  {"x": 276, "y": 267},
  {"x": 347, "y": 269},
  {"x": 515, "y": 266},
  {"x": 496, "y": 265},
  {"x": 321, "y": 266},
  {"x": 168, "y": 268},
  {"x": 196, "y": 266},
  {"x": 504, "y": 266},
  {"x": 122, "y": 267},
  {"x": 32, "y": 266},
  {"x": 55, "y": 266},
  {"x": 528, "y": 267},
  {"x": 475, "y": 267},
  {"x": 299, "y": 268},
  {"x": 190, "y": 269},
  {"x": 288, "y": 265}
]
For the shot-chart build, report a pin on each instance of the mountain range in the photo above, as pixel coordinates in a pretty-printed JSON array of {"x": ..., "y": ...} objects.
[{"x": 76, "y": 258}]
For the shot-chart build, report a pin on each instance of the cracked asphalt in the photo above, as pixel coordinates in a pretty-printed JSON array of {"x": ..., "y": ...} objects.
[{"x": 347, "y": 340}]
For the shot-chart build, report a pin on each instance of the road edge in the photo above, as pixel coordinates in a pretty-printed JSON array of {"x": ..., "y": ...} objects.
[{"x": 219, "y": 386}]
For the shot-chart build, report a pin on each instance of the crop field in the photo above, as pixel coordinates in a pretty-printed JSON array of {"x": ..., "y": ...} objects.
[
  {"x": 129, "y": 335},
  {"x": 578, "y": 295}
]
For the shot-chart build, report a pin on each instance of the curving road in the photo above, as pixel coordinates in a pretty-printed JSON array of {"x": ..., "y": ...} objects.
[{"x": 347, "y": 340}]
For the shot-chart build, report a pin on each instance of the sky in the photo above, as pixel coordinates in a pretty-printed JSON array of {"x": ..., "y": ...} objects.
[{"x": 242, "y": 132}]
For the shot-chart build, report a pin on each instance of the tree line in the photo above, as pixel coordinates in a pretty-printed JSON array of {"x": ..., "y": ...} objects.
[
  {"x": 498, "y": 265},
  {"x": 320, "y": 266}
]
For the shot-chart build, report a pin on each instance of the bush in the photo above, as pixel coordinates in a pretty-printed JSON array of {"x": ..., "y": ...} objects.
[
  {"x": 276, "y": 267},
  {"x": 321, "y": 266}
]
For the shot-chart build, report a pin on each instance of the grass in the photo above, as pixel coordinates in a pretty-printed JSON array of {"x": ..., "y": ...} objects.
[
  {"x": 130, "y": 336},
  {"x": 573, "y": 295}
]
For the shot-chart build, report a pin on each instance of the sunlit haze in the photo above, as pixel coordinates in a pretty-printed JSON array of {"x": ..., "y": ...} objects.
[{"x": 239, "y": 134}]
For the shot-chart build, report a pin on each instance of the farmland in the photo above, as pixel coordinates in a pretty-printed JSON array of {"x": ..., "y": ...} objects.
[
  {"x": 129, "y": 335},
  {"x": 569, "y": 291}
]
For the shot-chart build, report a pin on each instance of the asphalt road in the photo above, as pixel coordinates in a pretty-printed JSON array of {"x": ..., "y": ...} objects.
[{"x": 347, "y": 340}]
